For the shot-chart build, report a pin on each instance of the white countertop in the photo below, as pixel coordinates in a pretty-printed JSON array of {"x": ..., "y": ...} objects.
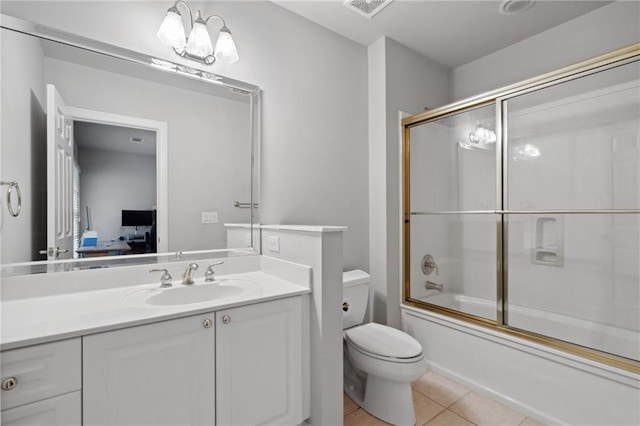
[{"x": 35, "y": 320}]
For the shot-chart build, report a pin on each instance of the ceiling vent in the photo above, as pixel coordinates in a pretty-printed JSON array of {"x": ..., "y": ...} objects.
[{"x": 368, "y": 8}]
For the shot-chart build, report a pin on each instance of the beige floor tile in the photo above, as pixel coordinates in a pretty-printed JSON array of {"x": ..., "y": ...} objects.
[
  {"x": 349, "y": 405},
  {"x": 448, "y": 418},
  {"x": 440, "y": 389},
  {"x": 530, "y": 422},
  {"x": 362, "y": 418},
  {"x": 425, "y": 408},
  {"x": 484, "y": 411}
]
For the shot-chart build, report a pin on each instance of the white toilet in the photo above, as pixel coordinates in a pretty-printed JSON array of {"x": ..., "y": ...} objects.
[{"x": 380, "y": 362}]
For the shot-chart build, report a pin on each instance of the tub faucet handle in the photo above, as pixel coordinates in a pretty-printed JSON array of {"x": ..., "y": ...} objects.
[{"x": 429, "y": 265}]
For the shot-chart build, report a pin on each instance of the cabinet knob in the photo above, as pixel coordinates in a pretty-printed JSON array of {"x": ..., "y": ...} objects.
[
  {"x": 207, "y": 323},
  {"x": 226, "y": 319},
  {"x": 9, "y": 383}
]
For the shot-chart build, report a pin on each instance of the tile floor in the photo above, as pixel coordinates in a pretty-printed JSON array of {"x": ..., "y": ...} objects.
[{"x": 439, "y": 401}]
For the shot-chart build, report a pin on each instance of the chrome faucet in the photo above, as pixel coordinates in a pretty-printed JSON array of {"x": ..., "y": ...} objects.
[
  {"x": 186, "y": 277},
  {"x": 433, "y": 286},
  {"x": 165, "y": 279},
  {"x": 210, "y": 274}
]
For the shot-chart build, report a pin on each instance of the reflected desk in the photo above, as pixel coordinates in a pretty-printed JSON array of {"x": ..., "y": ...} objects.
[{"x": 104, "y": 248}]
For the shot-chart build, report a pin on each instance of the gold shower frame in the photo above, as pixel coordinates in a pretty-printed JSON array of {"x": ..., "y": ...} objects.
[{"x": 613, "y": 59}]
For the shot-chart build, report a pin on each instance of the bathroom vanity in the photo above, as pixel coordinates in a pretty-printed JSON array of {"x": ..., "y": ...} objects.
[{"x": 142, "y": 355}]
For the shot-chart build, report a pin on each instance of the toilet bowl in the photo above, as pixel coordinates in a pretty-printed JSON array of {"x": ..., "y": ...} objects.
[{"x": 380, "y": 362}]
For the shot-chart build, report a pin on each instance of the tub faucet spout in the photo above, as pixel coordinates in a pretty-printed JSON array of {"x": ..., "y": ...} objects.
[{"x": 433, "y": 286}]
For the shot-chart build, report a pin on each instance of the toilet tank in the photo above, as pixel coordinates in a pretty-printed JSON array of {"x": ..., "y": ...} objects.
[{"x": 355, "y": 297}]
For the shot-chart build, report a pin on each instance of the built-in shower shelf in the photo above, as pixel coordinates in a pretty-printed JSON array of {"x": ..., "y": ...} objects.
[
  {"x": 547, "y": 256},
  {"x": 549, "y": 241}
]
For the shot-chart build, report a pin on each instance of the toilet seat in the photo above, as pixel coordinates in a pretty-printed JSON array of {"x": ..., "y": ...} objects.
[{"x": 384, "y": 343}]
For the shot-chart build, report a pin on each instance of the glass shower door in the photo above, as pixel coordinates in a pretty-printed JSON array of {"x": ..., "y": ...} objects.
[
  {"x": 573, "y": 211},
  {"x": 452, "y": 205}
]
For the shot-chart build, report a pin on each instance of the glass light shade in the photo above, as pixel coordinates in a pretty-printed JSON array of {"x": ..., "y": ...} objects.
[
  {"x": 199, "y": 42},
  {"x": 171, "y": 31},
  {"x": 225, "y": 47}
]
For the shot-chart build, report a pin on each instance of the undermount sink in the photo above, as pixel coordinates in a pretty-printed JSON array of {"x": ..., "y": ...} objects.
[{"x": 197, "y": 293}]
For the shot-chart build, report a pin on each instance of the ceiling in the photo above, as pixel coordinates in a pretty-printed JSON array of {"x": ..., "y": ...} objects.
[
  {"x": 107, "y": 137},
  {"x": 450, "y": 32}
]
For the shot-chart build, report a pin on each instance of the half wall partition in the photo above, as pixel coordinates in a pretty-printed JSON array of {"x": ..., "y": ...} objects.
[{"x": 522, "y": 209}]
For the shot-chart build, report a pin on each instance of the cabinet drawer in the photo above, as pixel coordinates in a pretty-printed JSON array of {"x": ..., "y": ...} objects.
[
  {"x": 63, "y": 410},
  {"x": 40, "y": 372}
]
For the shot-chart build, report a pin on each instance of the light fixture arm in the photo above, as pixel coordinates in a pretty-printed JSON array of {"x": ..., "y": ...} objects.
[
  {"x": 180, "y": 2},
  {"x": 206, "y": 21}
]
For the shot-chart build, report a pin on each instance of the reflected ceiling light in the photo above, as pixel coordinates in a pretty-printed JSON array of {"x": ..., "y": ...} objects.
[
  {"x": 526, "y": 152},
  {"x": 197, "y": 46},
  {"x": 482, "y": 134}
]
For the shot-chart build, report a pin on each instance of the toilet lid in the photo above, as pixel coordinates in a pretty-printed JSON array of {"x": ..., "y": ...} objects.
[{"x": 382, "y": 340}]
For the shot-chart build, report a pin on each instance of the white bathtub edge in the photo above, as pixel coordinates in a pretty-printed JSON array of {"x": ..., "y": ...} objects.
[
  {"x": 570, "y": 360},
  {"x": 535, "y": 380}
]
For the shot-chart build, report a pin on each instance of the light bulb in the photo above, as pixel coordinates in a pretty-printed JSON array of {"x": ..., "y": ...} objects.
[
  {"x": 199, "y": 42},
  {"x": 171, "y": 31},
  {"x": 225, "y": 47}
]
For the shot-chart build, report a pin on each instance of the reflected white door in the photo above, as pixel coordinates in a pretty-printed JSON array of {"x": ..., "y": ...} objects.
[{"x": 59, "y": 177}]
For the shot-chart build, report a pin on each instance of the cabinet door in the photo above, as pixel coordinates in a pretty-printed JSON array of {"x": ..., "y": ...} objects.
[
  {"x": 156, "y": 374},
  {"x": 63, "y": 410},
  {"x": 259, "y": 364}
]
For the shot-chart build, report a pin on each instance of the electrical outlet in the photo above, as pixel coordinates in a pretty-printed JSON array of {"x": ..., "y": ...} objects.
[
  {"x": 209, "y": 217},
  {"x": 274, "y": 244}
]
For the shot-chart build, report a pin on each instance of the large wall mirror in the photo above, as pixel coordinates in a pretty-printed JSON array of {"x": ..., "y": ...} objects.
[{"x": 120, "y": 158}]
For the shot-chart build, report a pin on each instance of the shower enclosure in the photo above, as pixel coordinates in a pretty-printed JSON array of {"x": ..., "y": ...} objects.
[{"x": 522, "y": 209}]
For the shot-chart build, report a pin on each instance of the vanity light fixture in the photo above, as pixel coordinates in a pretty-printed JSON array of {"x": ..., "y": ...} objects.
[{"x": 198, "y": 45}]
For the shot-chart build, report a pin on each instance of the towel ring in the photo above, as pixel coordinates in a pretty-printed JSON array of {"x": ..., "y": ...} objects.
[{"x": 11, "y": 185}]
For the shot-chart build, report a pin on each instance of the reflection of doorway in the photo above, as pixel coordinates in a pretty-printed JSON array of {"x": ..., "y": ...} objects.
[
  {"x": 160, "y": 130},
  {"x": 117, "y": 172},
  {"x": 64, "y": 200}
]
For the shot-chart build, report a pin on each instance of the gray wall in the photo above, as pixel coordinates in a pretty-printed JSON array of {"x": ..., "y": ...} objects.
[
  {"x": 113, "y": 181},
  {"x": 314, "y": 116},
  {"x": 402, "y": 80},
  {"x": 23, "y": 150}
]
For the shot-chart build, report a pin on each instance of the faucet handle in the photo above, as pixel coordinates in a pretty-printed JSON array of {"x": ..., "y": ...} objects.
[
  {"x": 165, "y": 279},
  {"x": 209, "y": 274},
  {"x": 429, "y": 265}
]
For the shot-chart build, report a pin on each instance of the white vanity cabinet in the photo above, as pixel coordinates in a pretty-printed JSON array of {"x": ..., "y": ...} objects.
[
  {"x": 238, "y": 366},
  {"x": 41, "y": 384},
  {"x": 156, "y": 374},
  {"x": 259, "y": 355}
]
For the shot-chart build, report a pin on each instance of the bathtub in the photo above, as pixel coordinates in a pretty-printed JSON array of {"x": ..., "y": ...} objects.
[
  {"x": 544, "y": 383},
  {"x": 615, "y": 340}
]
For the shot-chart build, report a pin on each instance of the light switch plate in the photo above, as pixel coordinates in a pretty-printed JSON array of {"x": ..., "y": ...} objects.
[
  {"x": 209, "y": 217},
  {"x": 274, "y": 244}
]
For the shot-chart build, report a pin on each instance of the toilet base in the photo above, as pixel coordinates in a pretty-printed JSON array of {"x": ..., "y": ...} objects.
[{"x": 389, "y": 401}]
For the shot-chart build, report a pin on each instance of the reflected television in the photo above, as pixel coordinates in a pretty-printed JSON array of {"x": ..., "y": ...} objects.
[{"x": 137, "y": 217}]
